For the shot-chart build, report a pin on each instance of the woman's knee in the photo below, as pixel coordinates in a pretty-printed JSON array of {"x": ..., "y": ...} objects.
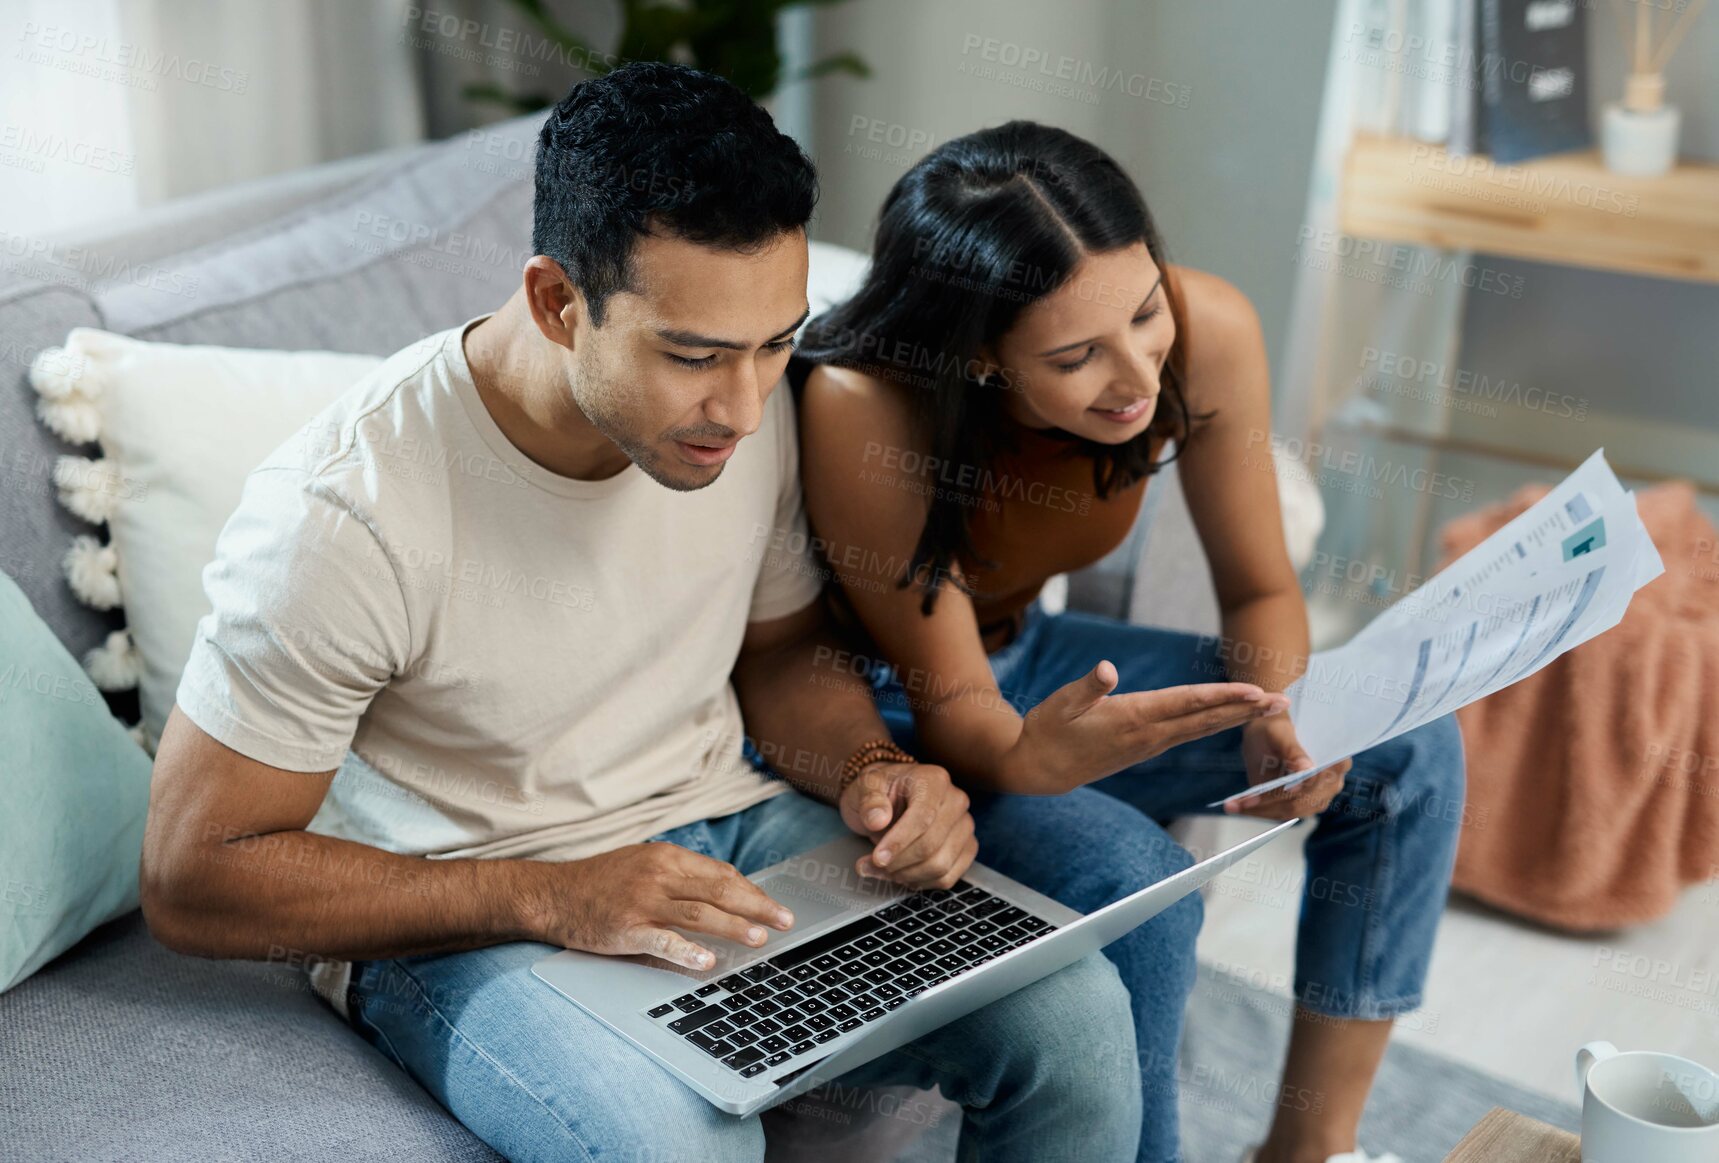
[
  {"x": 1160, "y": 858},
  {"x": 1179, "y": 925},
  {"x": 1416, "y": 780},
  {"x": 1435, "y": 774},
  {"x": 1125, "y": 870},
  {"x": 1085, "y": 849},
  {"x": 1422, "y": 768}
]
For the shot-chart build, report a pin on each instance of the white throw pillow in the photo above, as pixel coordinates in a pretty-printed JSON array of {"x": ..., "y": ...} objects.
[
  {"x": 180, "y": 428},
  {"x": 833, "y": 275}
]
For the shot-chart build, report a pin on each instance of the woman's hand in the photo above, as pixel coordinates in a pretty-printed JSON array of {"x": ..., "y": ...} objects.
[
  {"x": 1083, "y": 732},
  {"x": 1272, "y": 750}
]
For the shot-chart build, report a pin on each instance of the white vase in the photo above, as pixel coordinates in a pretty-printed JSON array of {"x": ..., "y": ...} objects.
[{"x": 1640, "y": 144}]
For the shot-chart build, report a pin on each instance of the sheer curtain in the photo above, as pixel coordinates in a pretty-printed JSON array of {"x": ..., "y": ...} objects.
[
  {"x": 112, "y": 105},
  {"x": 67, "y": 155},
  {"x": 1343, "y": 314},
  {"x": 281, "y": 85}
]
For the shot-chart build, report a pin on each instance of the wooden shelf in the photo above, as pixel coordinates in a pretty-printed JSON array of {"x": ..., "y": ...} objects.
[
  {"x": 1566, "y": 209},
  {"x": 1518, "y": 455}
]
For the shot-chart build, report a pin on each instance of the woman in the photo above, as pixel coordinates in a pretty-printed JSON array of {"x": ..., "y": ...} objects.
[{"x": 985, "y": 413}]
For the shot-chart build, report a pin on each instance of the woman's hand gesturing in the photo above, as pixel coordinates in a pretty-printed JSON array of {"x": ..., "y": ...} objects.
[{"x": 1083, "y": 732}]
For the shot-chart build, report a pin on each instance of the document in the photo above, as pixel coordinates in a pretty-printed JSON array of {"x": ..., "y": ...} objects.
[{"x": 1559, "y": 574}]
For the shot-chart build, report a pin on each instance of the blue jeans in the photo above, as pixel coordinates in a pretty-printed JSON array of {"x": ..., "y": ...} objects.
[
  {"x": 1378, "y": 862},
  {"x": 1045, "y": 1073}
]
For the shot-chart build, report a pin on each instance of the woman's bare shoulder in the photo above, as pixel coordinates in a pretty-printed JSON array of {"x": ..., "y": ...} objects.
[
  {"x": 846, "y": 382},
  {"x": 853, "y": 401},
  {"x": 1224, "y": 344},
  {"x": 1216, "y": 309}
]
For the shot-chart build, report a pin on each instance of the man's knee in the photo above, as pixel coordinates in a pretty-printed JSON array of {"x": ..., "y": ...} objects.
[
  {"x": 1087, "y": 1051},
  {"x": 662, "y": 1123},
  {"x": 1083, "y": 1029},
  {"x": 531, "y": 1074},
  {"x": 651, "y": 1116}
]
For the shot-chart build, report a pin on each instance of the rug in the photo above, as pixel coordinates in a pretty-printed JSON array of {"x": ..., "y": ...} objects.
[{"x": 1421, "y": 1107}]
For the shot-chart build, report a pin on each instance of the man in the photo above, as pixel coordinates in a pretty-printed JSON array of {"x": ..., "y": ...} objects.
[{"x": 517, "y": 573}]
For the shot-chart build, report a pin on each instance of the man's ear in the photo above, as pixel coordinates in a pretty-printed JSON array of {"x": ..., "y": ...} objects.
[{"x": 557, "y": 306}]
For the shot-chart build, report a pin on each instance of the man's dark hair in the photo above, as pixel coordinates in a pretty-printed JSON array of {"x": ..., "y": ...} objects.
[{"x": 659, "y": 147}]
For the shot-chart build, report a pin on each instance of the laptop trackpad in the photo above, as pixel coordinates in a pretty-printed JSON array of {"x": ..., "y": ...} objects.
[
  {"x": 810, "y": 903},
  {"x": 819, "y": 887}
]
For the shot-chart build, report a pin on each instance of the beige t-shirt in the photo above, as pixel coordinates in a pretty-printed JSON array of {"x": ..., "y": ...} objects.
[{"x": 522, "y": 664}]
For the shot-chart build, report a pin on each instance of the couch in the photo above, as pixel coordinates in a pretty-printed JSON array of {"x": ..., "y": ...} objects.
[{"x": 121, "y": 1049}]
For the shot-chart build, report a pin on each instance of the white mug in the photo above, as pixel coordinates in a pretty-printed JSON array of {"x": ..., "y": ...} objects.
[{"x": 1639, "y": 1106}]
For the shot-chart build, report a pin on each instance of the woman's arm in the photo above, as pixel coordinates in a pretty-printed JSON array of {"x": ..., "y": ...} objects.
[
  {"x": 1230, "y": 481},
  {"x": 1231, "y": 485},
  {"x": 856, "y": 434},
  {"x": 868, "y": 512}
]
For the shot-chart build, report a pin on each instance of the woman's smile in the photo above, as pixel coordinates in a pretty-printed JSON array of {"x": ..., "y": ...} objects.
[{"x": 1126, "y": 413}]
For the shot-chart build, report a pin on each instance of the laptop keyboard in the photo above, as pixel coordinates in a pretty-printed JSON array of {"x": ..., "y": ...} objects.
[{"x": 787, "y": 1007}]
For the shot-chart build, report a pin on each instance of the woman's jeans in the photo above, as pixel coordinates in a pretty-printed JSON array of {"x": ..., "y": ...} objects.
[
  {"x": 1046, "y": 1073},
  {"x": 1378, "y": 862}
]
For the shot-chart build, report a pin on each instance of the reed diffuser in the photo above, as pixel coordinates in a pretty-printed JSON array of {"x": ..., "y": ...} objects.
[{"x": 1638, "y": 136}]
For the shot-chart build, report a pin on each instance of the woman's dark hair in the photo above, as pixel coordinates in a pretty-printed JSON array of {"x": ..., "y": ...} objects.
[
  {"x": 981, "y": 228},
  {"x": 660, "y": 146}
]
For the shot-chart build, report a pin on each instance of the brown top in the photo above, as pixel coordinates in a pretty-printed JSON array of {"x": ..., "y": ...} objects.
[{"x": 1039, "y": 517}]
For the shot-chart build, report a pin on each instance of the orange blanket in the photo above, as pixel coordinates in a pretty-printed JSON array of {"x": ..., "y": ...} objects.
[{"x": 1593, "y": 786}]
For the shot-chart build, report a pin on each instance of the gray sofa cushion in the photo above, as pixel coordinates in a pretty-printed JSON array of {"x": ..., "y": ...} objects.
[
  {"x": 420, "y": 245},
  {"x": 124, "y": 1050},
  {"x": 35, "y": 529}
]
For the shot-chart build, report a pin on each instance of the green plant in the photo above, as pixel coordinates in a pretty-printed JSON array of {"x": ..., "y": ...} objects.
[{"x": 735, "y": 39}]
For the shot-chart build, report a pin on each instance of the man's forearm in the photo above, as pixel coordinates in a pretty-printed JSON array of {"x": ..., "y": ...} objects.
[
  {"x": 806, "y": 712},
  {"x": 255, "y": 896}
]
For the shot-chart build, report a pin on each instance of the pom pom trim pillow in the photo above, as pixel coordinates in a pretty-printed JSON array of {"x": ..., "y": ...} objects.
[{"x": 180, "y": 428}]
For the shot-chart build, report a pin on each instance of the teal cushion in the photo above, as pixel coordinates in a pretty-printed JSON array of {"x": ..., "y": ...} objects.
[{"x": 74, "y": 787}]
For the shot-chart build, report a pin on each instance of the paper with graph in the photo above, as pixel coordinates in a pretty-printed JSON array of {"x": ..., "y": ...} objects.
[{"x": 1559, "y": 574}]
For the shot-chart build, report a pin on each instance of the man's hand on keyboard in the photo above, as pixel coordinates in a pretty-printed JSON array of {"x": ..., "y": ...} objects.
[
  {"x": 624, "y": 902},
  {"x": 916, "y": 818}
]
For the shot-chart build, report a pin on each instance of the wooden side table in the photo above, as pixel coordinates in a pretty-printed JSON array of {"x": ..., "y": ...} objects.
[{"x": 1504, "y": 1136}]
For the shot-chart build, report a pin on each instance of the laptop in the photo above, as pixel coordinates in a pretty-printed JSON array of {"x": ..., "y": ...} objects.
[{"x": 869, "y": 967}]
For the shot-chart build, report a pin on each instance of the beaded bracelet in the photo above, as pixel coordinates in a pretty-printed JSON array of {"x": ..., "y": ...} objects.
[{"x": 866, "y": 755}]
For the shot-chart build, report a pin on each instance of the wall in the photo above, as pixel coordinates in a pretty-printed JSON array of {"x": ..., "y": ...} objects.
[
  {"x": 930, "y": 82},
  {"x": 1227, "y": 176},
  {"x": 1212, "y": 108}
]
